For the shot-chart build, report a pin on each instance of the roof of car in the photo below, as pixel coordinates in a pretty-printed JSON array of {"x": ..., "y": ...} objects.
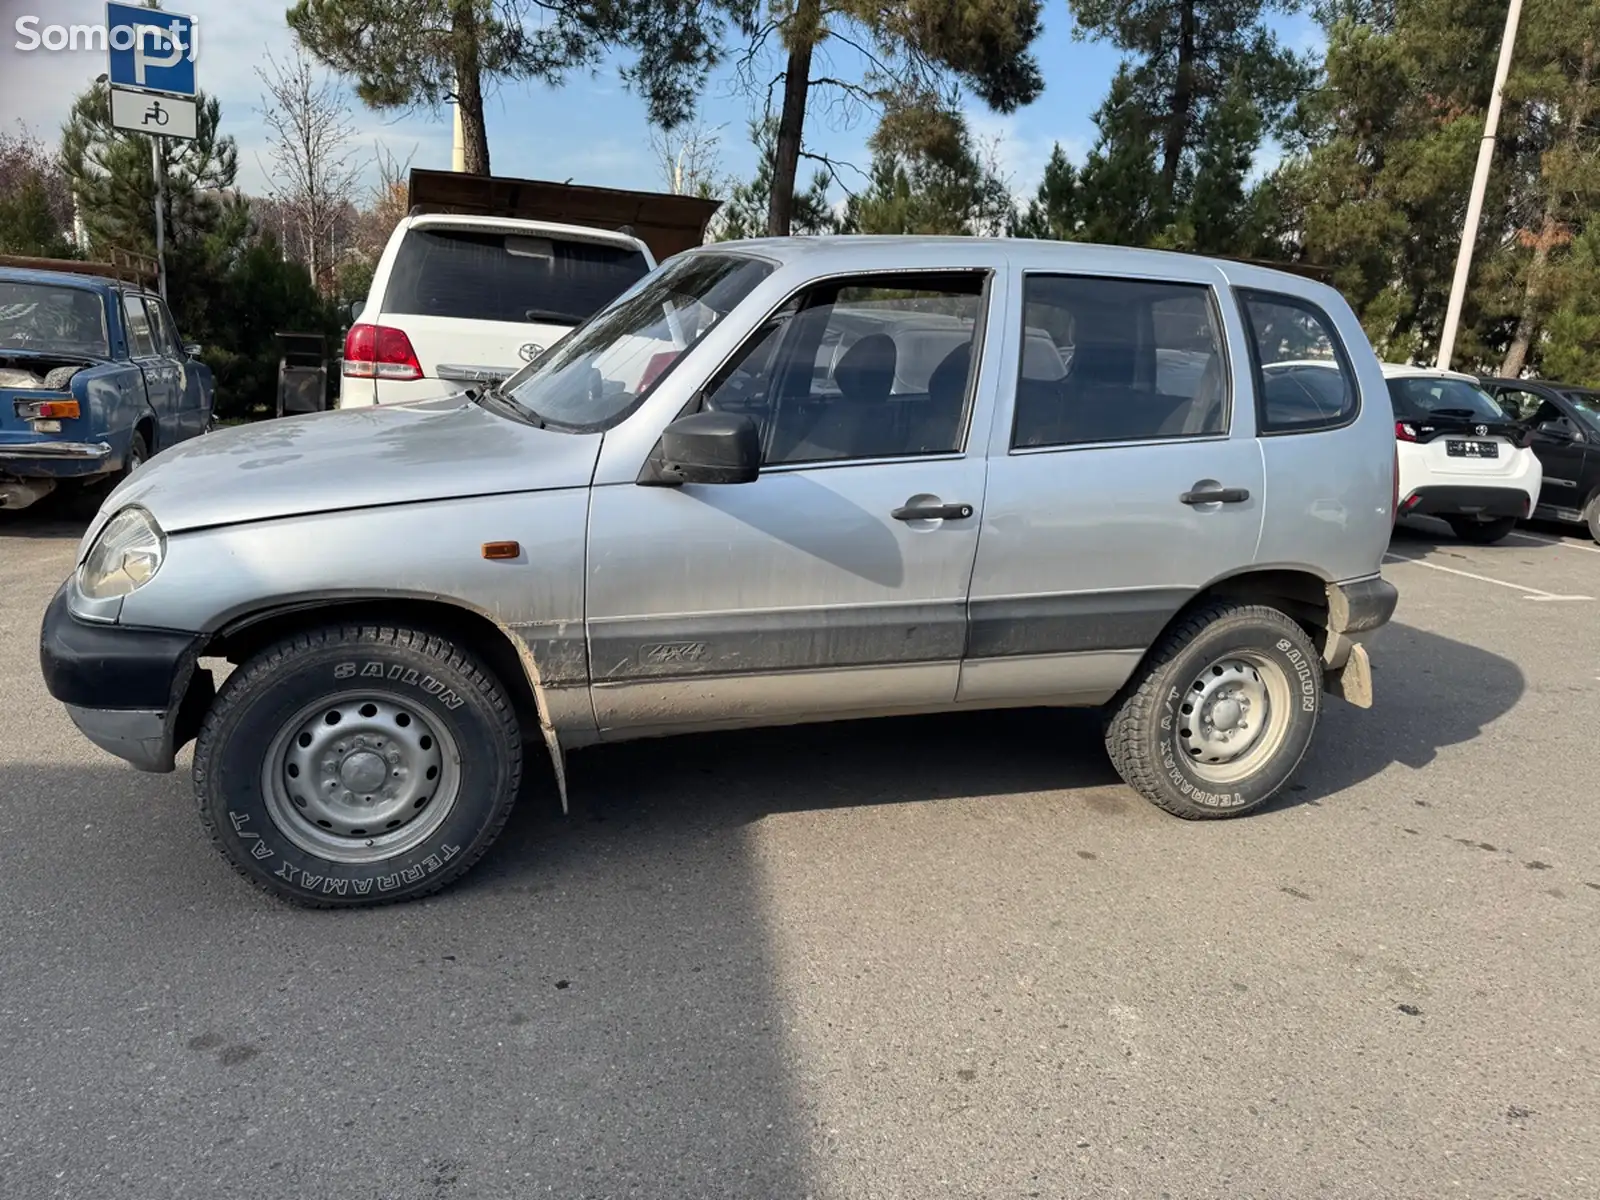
[
  {"x": 1407, "y": 371},
  {"x": 62, "y": 278},
  {"x": 577, "y": 233},
  {"x": 857, "y": 252}
]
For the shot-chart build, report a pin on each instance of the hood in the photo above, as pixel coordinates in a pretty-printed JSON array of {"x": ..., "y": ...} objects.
[{"x": 352, "y": 458}]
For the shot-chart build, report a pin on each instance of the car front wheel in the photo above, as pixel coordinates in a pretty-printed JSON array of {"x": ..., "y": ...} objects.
[
  {"x": 1220, "y": 713},
  {"x": 358, "y": 765}
]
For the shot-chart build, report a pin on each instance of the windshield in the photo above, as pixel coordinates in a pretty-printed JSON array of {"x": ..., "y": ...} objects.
[
  {"x": 485, "y": 276},
  {"x": 1419, "y": 397},
  {"x": 602, "y": 371},
  {"x": 49, "y": 318}
]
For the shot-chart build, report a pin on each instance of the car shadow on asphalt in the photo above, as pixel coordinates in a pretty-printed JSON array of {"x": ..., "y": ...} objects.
[
  {"x": 1430, "y": 532},
  {"x": 590, "y": 1015},
  {"x": 46, "y": 525},
  {"x": 1429, "y": 692},
  {"x": 597, "y": 1007}
]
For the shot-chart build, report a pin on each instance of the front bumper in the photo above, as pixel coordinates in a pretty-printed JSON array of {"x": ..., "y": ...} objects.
[{"x": 136, "y": 693}]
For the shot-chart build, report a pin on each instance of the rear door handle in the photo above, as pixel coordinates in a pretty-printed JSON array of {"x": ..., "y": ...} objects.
[
  {"x": 933, "y": 512},
  {"x": 1216, "y": 496}
]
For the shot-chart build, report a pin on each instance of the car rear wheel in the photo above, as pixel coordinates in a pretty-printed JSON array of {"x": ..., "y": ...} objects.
[
  {"x": 1482, "y": 532},
  {"x": 1220, "y": 713},
  {"x": 1591, "y": 516},
  {"x": 358, "y": 766}
]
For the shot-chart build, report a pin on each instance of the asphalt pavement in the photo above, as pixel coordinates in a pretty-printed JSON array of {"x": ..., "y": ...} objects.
[{"x": 946, "y": 957}]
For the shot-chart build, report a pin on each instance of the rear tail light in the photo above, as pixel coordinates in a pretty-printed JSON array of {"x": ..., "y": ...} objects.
[
  {"x": 379, "y": 352},
  {"x": 48, "y": 410},
  {"x": 1405, "y": 431}
]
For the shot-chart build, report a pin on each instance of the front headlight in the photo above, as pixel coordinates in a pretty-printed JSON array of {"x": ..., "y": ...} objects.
[{"x": 125, "y": 556}]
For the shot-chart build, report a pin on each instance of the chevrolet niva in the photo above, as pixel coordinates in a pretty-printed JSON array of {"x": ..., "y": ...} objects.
[{"x": 774, "y": 482}]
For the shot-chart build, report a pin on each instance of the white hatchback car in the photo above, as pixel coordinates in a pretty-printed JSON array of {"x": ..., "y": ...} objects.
[
  {"x": 464, "y": 300},
  {"x": 1460, "y": 458}
]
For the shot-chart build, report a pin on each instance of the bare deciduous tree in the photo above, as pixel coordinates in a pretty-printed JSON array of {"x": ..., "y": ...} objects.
[
  {"x": 316, "y": 168},
  {"x": 690, "y": 160}
]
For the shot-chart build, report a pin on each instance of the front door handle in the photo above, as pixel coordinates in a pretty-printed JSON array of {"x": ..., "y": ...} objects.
[
  {"x": 933, "y": 512},
  {"x": 1216, "y": 495}
]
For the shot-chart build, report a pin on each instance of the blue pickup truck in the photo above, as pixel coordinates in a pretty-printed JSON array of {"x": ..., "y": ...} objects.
[{"x": 94, "y": 379}]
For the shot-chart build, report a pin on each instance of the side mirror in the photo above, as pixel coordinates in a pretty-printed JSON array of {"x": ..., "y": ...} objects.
[
  {"x": 355, "y": 309},
  {"x": 1558, "y": 431},
  {"x": 192, "y": 349},
  {"x": 708, "y": 447}
]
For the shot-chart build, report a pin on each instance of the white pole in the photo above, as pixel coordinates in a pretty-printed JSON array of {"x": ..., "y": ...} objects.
[
  {"x": 458, "y": 149},
  {"x": 1480, "y": 184}
]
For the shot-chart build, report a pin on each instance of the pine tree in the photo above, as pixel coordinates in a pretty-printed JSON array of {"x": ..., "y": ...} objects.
[
  {"x": 927, "y": 176},
  {"x": 1554, "y": 102},
  {"x": 745, "y": 213},
  {"x": 1391, "y": 137},
  {"x": 1570, "y": 349},
  {"x": 914, "y": 44},
  {"x": 1186, "y": 57},
  {"x": 1056, "y": 210},
  {"x": 110, "y": 173},
  {"x": 1220, "y": 214},
  {"x": 420, "y": 53},
  {"x": 1120, "y": 188}
]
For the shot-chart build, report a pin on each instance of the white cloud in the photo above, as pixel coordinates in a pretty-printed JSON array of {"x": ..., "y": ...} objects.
[{"x": 1021, "y": 159}]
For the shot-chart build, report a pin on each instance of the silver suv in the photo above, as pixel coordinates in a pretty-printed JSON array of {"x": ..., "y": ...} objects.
[{"x": 775, "y": 482}]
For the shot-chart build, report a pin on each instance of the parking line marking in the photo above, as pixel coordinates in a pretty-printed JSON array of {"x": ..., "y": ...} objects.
[
  {"x": 1539, "y": 541},
  {"x": 1532, "y": 593}
]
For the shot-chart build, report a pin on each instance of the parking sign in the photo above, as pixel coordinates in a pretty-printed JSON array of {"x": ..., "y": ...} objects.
[{"x": 150, "y": 49}]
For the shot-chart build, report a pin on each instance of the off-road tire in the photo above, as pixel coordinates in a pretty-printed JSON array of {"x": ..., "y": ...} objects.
[
  {"x": 445, "y": 685},
  {"x": 1482, "y": 533},
  {"x": 1139, "y": 728}
]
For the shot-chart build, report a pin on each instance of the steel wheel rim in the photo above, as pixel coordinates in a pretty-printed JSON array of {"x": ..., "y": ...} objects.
[
  {"x": 369, "y": 786},
  {"x": 1234, "y": 716}
]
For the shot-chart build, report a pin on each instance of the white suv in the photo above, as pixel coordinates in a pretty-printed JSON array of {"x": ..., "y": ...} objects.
[
  {"x": 460, "y": 300},
  {"x": 1460, "y": 458}
]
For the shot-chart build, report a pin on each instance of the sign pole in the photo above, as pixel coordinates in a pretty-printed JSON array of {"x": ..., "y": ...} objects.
[
  {"x": 150, "y": 68},
  {"x": 159, "y": 170}
]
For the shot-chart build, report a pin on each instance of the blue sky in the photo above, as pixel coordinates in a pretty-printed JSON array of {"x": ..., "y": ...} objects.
[{"x": 591, "y": 130}]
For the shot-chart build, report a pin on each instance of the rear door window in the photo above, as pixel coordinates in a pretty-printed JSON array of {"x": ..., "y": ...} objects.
[
  {"x": 1118, "y": 360},
  {"x": 1303, "y": 378},
  {"x": 480, "y": 275}
]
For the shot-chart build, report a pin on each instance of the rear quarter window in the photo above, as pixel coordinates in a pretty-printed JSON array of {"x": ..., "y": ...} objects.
[
  {"x": 1304, "y": 382},
  {"x": 489, "y": 276}
]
